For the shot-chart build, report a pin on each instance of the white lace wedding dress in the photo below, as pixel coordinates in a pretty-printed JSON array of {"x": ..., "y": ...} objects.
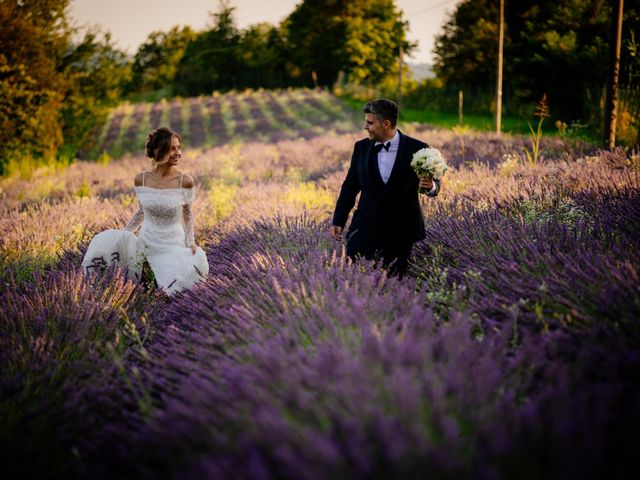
[{"x": 167, "y": 230}]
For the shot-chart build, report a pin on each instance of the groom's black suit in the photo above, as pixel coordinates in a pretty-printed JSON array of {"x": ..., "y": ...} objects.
[{"x": 388, "y": 219}]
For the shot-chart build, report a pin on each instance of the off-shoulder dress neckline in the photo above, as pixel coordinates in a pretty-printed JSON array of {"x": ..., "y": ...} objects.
[{"x": 161, "y": 189}]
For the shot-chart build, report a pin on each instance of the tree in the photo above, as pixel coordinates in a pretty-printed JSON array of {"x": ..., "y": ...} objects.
[
  {"x": 33, "y": 39},
  {"x": 156, "y": 62},
  {"x": 465, "y": 52},
  {"x": 561, "y": 49},
  {"x": 210, "y": 61},
  {"x": 261, "y": 56},
  {"x": 359, "y": 37},
  {"x": 96, "y": 73},
  {"x": 52, "y": 90},
  {"x": 557, "y": 47}
]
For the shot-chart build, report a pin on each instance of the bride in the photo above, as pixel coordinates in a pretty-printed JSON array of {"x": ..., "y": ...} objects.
[{"x": 166, "y": 238}]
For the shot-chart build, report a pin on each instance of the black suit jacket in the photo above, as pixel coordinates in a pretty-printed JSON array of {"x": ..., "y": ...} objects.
[{"x": 386, "y": 213}]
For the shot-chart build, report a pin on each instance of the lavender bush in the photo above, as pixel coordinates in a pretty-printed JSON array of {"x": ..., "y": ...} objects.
[
  {"x": 292, "y": 362},
  {"x": 60, "y": 335},
  {"x": 510, "y": 351},
  {"x": 559, "y": 269}
]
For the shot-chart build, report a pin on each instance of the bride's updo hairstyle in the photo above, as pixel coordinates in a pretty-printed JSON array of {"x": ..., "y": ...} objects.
[{"x": 158, "y": 144}]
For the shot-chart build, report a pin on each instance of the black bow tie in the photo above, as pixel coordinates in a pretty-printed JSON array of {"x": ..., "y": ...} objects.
[{"x": 380, "y": 146}]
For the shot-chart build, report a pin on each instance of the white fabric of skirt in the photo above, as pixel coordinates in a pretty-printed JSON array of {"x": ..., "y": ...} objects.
[{"x": 162, "y": 242}]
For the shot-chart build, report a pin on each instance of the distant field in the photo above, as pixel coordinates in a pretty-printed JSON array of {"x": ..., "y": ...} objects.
[
  {"x": 223, "y": 118},
  {"x": 264, "y": 116}
]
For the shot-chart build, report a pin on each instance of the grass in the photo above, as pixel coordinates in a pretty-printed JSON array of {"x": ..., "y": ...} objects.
[
  {"x": 477, "y": 122},
  {"x": 485, "y": 123},
  {"x": 151, "y": 96}
]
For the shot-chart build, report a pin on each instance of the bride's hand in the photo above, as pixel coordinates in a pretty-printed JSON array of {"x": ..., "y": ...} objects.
[{"x": 193, "y": 248}]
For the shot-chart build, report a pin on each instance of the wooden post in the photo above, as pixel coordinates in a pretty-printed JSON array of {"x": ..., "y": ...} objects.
[
  {"x": 460, "y": 101},
  {"x": 399, "y": 93},
  {"x": 499, "y": 79},
  {"x": 611, "y": 104}
]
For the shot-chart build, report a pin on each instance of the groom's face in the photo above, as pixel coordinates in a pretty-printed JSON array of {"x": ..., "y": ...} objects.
[{"x": 378, "y": 130}]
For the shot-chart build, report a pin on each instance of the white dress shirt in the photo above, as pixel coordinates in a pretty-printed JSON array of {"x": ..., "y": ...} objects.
[{"x": 386, "y": 159}]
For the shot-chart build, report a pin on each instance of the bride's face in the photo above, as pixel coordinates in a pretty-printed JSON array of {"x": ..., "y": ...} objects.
[{"x": 176, "y": 151}]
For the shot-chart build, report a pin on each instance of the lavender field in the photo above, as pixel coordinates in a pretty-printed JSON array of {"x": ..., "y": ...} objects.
[
  {"x": 512, "y": 350},
  {"x": 266, "y": 116}
]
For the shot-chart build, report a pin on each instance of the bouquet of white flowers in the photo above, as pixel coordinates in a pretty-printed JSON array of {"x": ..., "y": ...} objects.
[{"x": 429, "y": 162}]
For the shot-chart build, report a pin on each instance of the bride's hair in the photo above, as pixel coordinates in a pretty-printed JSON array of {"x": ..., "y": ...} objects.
[{"x": 158, "y": 144}]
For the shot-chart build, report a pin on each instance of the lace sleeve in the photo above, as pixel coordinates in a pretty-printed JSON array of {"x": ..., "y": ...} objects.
[
  {"x": 136, "y": 220},
  {"x": 187, "y": 213}
]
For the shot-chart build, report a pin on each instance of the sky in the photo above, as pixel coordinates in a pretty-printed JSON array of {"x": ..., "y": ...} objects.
[{"x": 131, "y": 21}]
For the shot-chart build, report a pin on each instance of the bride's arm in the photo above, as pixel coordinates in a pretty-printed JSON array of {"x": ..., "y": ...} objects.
[
  {"x": 187, "y": 213},
  {"x": 137, "y": 218},
  {"x": 189, "y": 236},
  {"x": 135, "y": 221}
]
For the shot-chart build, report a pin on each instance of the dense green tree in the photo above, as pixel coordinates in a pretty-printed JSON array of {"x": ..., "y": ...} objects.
[
  {"x": 466, "y": 50},
  {"x": 211, "y": 61},
  {"x": 359, "y": 37},
  {"x": 53, "y": 90},
  {"x": 96, "y": 72},
  {"x": 261, "y": 54},
  {"x": 561, "y": 49},
  {"x": 557, "y": 47},
  {"x": 33, "y": 40},
  {"x": 156, "y": 62}
]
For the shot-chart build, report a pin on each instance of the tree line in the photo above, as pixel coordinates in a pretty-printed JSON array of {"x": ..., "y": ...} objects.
[
  {"x": 58, "y": 83},
  {"x": 53, "y": 89},
  {"x": 555, "y": 47}
]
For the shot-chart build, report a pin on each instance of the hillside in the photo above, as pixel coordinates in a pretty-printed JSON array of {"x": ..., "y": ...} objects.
[{"x": 264, "y": 116}]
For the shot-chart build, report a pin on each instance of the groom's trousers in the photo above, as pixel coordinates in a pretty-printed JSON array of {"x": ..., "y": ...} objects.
[{"x": 374, "y": 245}]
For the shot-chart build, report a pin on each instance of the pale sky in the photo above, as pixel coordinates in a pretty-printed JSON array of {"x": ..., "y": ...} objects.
[{"x": 131, "y": 21}]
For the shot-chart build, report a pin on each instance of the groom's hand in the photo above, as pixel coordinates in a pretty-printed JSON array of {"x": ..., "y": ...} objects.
[
  {"x": 426, "y": 183},
  {"x": 336, "y": 232}
]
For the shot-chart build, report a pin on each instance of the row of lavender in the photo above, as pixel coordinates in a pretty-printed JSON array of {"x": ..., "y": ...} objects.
[
  {"x": 219, "y": 119},
  {"x": 511, "y": 351},
  {"x": 290, "y": 362},
  {"x": 53, "y": 211},
  {"x": 518, "y": 361}
]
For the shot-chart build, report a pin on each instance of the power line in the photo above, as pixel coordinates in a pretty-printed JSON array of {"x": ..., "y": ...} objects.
[{"x": 433, "y": 7}]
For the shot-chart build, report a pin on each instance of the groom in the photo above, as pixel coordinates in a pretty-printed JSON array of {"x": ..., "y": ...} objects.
[{"x": 388, "y": 219}]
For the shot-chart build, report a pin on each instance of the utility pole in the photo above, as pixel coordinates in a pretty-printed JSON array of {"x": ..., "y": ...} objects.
[
  {"x": 499, "y": 81},
  {"x": 611, "y": 104},
  {"x": 399, "y": 93}
]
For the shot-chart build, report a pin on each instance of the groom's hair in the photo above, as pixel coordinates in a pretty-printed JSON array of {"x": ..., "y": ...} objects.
[{"x": 383, "y": 109}]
